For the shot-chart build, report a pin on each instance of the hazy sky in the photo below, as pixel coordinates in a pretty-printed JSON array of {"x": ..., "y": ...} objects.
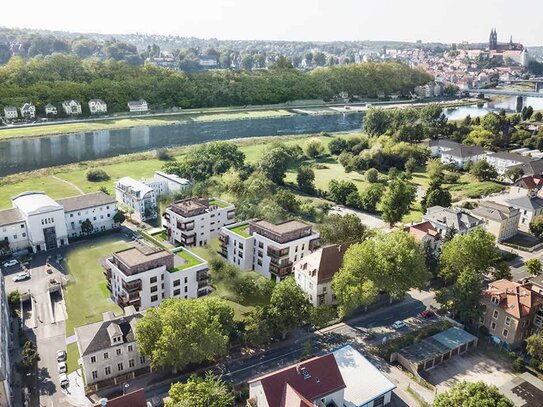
[{"x": 409, "y": 20}]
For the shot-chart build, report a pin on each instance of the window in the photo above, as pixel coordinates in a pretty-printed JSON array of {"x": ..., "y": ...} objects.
[
  {"x": 508, "y": 321},
  {"x": 176, "y": 292},
  {"x": 177, "y": 283},
  {"x": 118, "y": 351},
  {"x": 120, "y": 367},
  {"x": 93, "y": 359},
  {"x": 131, "y": 363},
  {"x": 130, "y": 348},
  {"x": 186, "y": 289},
  {"x": 94, "y": 374},
  {"x": 142, "y": 359},
  {"x": 260, "y": 245},
  {"x": 186, "y": 280},
  {"x": 106, "y": 355},
  {"x": 154, "y": 289},
  {"x": 505, "y": 333},
  {"x": 492, "y": 326},
  {"x": 495, "y": 314},
  {"x": 259, "y": 262},
  {"x": 153, "y": 280},
  {"x": 154, "y": 298},
  {"x": 107, "y": 370}
]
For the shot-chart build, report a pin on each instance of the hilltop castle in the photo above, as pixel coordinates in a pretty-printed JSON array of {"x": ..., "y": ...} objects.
[{"x": 493, "y": 44}]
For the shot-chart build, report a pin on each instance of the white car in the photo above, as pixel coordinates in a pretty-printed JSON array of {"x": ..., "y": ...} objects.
[
  {"x": 22, "y": 276},
  {"x": 62, "y": 367},
  {"x": 63, "y": 379},
  {"x": 61, "y": 356},
  {"x": 10, "y": 263},
  {"x": 399, "y": 325}
]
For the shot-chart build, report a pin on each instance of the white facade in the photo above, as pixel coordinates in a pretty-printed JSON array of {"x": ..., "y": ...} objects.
[
  {"x": 138, "y": 106},
  {"x": 268, "y": 249},
  {"x": 195, "y": 221},
  {"x": 97, "y": 106},
  {"x": 138, "y": 197},
  {"x": 71, "y": 107},
  {"x": 10, "y": 112},
  {"x": 28, "y": 111},
  {"x": 318, "y": 293},
  {"x": 502, "y": 161},
  {"x": 167, "y": 184},
  {"x": 50, "y": 110},
  {"x": 5, "y": 339},
  {"x": 143, "y": 277}
]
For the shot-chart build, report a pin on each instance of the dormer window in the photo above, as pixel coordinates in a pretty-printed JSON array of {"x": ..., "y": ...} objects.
[{"x": 495, "y": 300}]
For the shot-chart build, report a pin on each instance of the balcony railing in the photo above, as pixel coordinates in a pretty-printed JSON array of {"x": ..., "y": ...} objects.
[
  {"x": 131, "y": 286},
  {"x": 188, "y": 226},
  {"x": 314, "y": 244},
  {"x": 224, "y": 239},
  {"x": 274, "y": 252},
  {"x": 282, "y": 270}
]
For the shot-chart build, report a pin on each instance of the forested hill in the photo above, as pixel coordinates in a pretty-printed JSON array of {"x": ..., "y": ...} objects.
[{"x": 55, "y": 78}]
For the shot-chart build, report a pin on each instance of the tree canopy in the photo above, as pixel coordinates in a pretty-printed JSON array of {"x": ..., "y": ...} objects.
[
  {"x": 478, "y": 394},
  {"x": 337, "y": 229},
  {"x": 207, "y": 391}
]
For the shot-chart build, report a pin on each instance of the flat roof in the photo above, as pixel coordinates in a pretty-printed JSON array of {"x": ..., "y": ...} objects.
[
  {"x": 281, "y": 228},
  {"x": 138, "y": 254},
  {"x": 135, "y": 185}
]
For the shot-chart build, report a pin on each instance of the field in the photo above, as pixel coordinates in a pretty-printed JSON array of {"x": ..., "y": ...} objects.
[{"x": 85, "y": 297}]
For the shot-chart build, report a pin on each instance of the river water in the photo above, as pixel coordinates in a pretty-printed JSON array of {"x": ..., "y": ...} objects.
[{"x": 31, "y": 153}]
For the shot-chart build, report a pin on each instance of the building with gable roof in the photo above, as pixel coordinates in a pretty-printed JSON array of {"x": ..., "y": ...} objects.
[
  {"x": 499, "y": 220},
  {"x": 97, "y": 106},
  {"x": 529, "y": 208},
  {"x": 457, "y": 219},
  {"x": 28, "y": 111},
  {"x": 137, "y": 197},
  {"x": 427, "y": 234},
  {"x": 10, "y": 113},
  {"x": 71, "y": 107}
]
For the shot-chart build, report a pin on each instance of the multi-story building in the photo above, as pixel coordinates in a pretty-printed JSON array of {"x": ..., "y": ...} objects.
[
  {"x": 137, "y": 197},
  {"x": 426, "y": 234},
  {"x": 138, "y": 106},
  {"x": 314, "y": 273},
  {"x": 499, "y": 220},
  {"x": 39, "y": 223},
  {"x": 109, "y": 350},
  {"x": 167, "y": 184},
  {"x": 341, "y": 378},
  {"x": 97, "y": 106},
  {"x": 461, "y": 156},
  {"x": 5, "y": 338},
  {"x": 10, "y": 113},
  {"x": 50, "y": 110},
  {"x": 502, "y": 161},
  {"x": 456, "y": 219},
  {"x": 267, "y": 248},
  {"x": 195, "y": 221},
  {"x": 145, "y": 275},
  {"x": 529, "y": 207},
  {"x": 28, "y": 111},
  {"x": 512, "y": 311},
  {"x": 71, "y": 107}
]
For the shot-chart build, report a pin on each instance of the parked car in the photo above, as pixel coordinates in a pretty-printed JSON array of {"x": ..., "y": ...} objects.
[
  {"x": 22, "y": 276},
  {"x": 399, "y": 325},
  {"x": 10, "y": 263},
  {"x": 61, "y": 356},
  {"x": 426, "y": 314},
  {"x": 63, "y": 379},
  {"x": 62, "y": 367}
]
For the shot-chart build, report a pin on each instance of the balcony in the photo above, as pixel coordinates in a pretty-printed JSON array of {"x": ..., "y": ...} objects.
[
  {"x": 108, "y": 285},
  {"x": 107, "y": 273},
  {"x": 224, "y": 239},
  {"x": 130, "y": 299},
  {"x": 314, "y": 244},
  {"x": 281, "y": 270},
  {"x": 276, "y": 253},
  {"x": 187, "y": 226},
  {"x": 132, "y": 286}
]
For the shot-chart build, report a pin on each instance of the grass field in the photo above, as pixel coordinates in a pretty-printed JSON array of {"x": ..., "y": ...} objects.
[
  {"x": 53, "y": 187},
  {"x": 85, "y": 296},
  {"x": 73, "y": 356}
]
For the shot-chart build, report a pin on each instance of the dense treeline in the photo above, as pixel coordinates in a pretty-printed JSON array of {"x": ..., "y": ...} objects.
[{"x": 58, "y": 77}]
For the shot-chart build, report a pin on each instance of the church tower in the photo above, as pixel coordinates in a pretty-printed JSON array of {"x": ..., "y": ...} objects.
[{"x": 493, "y": 41}]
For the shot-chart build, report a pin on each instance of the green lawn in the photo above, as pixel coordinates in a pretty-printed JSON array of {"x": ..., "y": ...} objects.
[
  {"x": 468, "y": 187},
  {"x": 85, "y": 297},
  {"x": 54, "y": 188},
  {"x": 73, "y": 357},
  {"x": 241, "y": 230},
  {"x": 218, "y": 203},
  {"x": 208, "y": 252},
  {"x": 190, "y": 261}
]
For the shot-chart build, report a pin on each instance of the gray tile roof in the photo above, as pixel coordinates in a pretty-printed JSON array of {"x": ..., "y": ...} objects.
[
  {"x": 504, "y": 155},
  {"x": 10, "y": 216},
  {"x": 75, "y": 203},
  {"x": 534, "y": 167},
  {"x": 456, "y": 217},
  {"x": 466, "y": 151},
  {"x": 495, "y": 211},
  {"x": 444, "y": 143},
  {"x": 525, "y": 202}
]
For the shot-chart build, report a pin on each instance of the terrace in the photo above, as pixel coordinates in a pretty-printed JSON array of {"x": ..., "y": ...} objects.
[
  {"x": 183, "y": 260},
  {"x": 219, "y": 203},
  {"x": 241, "y": 230}
]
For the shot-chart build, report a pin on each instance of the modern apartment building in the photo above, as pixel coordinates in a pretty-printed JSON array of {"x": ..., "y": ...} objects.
[
  {"x": 144, "y": 275},
  {"x": 195, "y": 221},
  {"x": 109, "y": 351},
  {"x": 137, "y": 197},
  {"x": 512, "y": 312},
  {"x": 39, "y": 223},
  {"x": 167, "y": 184},
  {"x": 5, "y": 337},
  {"x": 267, "y": 248}
]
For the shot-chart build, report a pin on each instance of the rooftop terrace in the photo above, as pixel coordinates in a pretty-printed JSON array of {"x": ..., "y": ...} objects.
[
  {"x": 183, "y": 260},
  {"x": 241, "y": 230}
]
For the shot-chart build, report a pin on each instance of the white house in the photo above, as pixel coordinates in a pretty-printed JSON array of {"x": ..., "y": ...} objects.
[
  {"x": 28, "y": 111},
  {"x": 138, "y": 106},
  {"x": 341, "y": 378},
  {"x": 39, "y": 223},
  {"x": 108, "y": 349},
  {"x": 502, "y": 161},
  {"x": 144, "y": 275},
  {"x": 10, "y": 112},
  {"x": 71, "y": 107},
  {"x": 167, "y": 184},
  {"x": 463, "y": 155},
  {"x": 97, "y": 106},
  {"x": 50, "y": 110},
  {"x": 314, "y": 273},
  {"x": 529, "y": 208},
  {"x": 137, "y": 197},
  {"x": 456, "y": 219},
  {"x": 195, "y": 221},
  {"x": 6, "y": 378},
  {"x": 267, "y": 248}
]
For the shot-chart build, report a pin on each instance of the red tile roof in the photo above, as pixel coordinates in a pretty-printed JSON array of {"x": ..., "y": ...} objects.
[
  {"x": 529, "y": 182},
  {"x": 420, "y": 230},
  {"x": 516, "y": 299},
  {"x": 310, "y": 380},
  {"x": 325, "y": 262},
  {"x": 134, "y": 399}
]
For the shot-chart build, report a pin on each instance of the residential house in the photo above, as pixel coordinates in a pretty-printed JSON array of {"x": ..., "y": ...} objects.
[
  {"x": 427, "y": 234},
  {"x": 50, "y": 110},
  {"x": 499, "y": 220},
  {"x": 39, "y": 223},
  {"x": 461, "y": 156},
  {"x": 502, "y": 161},
  {"x": 533, "y": 167},
  {"x": 314, "y": 273},
  {"x": 167, "y": 184},
  {"x": 440, "y": 146},
  {"x": 97, "y": 106},
  {"x": 529, "y": 208},
  {"x": 455, "y": 219},
  {"x": 267, "y": 248},
  {"x": 144, "y": 275},
  {"x": 108, "y": 349},
  {"x": 341, "y": 378},
  {"x": 195, "y": 221},
  {"x": 6, "y": 378},
  {"x": 529, "y": 185},
  {"x": 71, "y": 107},
  {"x": 28, "y": 111},
  {"x": 133, "y": 399},
  {"x": 10, "y": 113},
  {"x": 138, "y": 106},
  {"x": 208, "y": 61},
  {"x": 512, "y": 312},
  {"x": 137, "y": 197}
]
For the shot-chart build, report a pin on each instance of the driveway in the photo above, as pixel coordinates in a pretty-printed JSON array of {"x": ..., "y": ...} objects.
[{"x": 370, "y": 220}]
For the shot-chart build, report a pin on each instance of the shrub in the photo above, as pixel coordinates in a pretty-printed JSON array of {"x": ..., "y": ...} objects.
[
  {"x": 372, "y": 175},
  {"x": 518, "y": 365},
  {"x": 163, "y": 154},
  {"x": 314, "y": 148},
  {"x": 337, "y": 146},
  {"x": 96, "y": 175},
  {"x": 534, "y": 363},
  {"x": 450, "y": 178}
]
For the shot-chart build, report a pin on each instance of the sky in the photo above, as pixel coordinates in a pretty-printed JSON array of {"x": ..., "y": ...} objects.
[{"x": 318, "y": 20}]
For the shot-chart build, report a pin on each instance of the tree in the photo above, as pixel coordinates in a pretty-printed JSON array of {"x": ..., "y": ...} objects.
[
  {"x": 96, "y": 175},
  {"x": 483, "y": 171},
  {"x": 87, "y": 227},
  {"x": 306, "y": 179},
  {"x": 29, "y": 356},
  {"x": 371, "y": 196},
  {"x": 433, "y": 119},
  {"x": 119, "y": 217},
  {"x": 337, "y": 229},
  {"x": 337, "y": 145},
  {"x": 396, "y": 201},
  {"x": 410, "y": 165},
  {"x": 287, "y": 200},
  {"x": 538, "y": 116},
  {"x": 104, "y": 189},
  {"x": 372, "y": 175},
  {"x": 436, "y": 197},
  {"x": 536, "y": 226},
  {"x": 533, "y": 266},
  {"x": 181, "y": 332},
  {"x": 314, "y": 148},
  {"x": 478, "y": 394},
  {"x": 376, "y": 122},
  {"x": 340, "y": 190},
  {"x": 273, "y": 164},
  {"x": 289, "y": 307},
  {"x": 514, "y": 173},
  {"x": 258, "y": 326},
  {"x": 209, "y": 391},
  {"x": 392, "y": 262},
  {"x": 534, "y": 345}
]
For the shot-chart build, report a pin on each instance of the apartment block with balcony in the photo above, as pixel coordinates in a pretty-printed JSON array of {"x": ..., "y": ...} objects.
[
  {"x": 195, "y": 221},
  {"x": 137, "y": 197},
  {"x": 267, "y": 248},
  {"x": 143, "y": 276}
]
